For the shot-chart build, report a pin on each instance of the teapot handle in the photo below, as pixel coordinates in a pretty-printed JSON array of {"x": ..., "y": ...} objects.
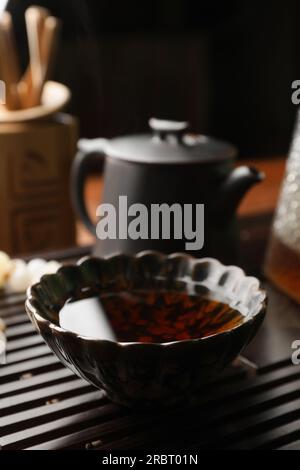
[{"x": 87, "y": 150}]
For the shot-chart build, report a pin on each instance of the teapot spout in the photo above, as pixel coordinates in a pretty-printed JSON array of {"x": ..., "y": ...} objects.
[{"x": 235, "y": 187}]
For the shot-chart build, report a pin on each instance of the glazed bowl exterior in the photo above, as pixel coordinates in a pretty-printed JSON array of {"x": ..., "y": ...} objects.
[{"x": 147, "y": 374}]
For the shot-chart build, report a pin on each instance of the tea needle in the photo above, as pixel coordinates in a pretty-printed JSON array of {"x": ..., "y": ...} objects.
[
  {"x": 49, "y": 41},
  {"x": 9, "y": 62},
  {"x": 35, "y": 18}
]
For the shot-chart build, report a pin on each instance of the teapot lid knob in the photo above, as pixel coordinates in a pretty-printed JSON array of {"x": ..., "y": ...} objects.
[{"x": 163, "y": 128}]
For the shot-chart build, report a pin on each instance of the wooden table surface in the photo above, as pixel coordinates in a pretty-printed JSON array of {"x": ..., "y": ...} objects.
[{"x": 45, "y": 406}]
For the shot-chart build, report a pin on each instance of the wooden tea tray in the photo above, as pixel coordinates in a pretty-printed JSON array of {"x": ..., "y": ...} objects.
[{"x": 43, "y": 405}]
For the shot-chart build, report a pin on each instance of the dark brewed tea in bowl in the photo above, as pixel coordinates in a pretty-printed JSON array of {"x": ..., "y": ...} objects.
[
  {"x": 148, "y": 316},
  {"x": 149, "y": 329}
]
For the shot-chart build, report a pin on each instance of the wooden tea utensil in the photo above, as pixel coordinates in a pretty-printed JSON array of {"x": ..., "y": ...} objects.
[
  {"x": 49, "y": 43},
  {"x": 35, "y": 18},
  {"x": 42, "y": 31},
  {"x": 9, "y": 61}
]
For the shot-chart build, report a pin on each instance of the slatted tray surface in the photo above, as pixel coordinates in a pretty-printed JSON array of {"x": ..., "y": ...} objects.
[{"x": 44, "y": 406}]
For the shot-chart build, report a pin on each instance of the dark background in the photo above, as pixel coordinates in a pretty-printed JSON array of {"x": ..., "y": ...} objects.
[{"x": 227, "y": 67}]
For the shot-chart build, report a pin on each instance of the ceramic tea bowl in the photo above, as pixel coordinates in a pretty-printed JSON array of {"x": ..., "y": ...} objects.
[{"x": 147, "y": 374}]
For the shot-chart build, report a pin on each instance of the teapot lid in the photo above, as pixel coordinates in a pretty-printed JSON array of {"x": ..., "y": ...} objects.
[{"x": 169, "y": 143}]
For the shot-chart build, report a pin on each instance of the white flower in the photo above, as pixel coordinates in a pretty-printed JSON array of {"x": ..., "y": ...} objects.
[
  {"x": 22, "y": 275},
  {"x": 52, "y": 267},
  {"x": 6, "y": 267},
  {"x": 36, "y": 268},
  {"x": 19, "y": 280}
]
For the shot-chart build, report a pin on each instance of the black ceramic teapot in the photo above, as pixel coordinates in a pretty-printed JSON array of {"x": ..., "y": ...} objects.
[{"x": 168, "y": 166}]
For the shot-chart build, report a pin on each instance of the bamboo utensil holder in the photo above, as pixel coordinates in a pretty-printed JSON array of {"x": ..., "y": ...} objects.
[
  {"x": 37, "y": 143},
  {"x": 35, "y": 160}
]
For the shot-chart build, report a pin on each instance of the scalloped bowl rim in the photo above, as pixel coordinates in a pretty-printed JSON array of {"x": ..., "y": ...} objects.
[{"x": 262, "y": 299}]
